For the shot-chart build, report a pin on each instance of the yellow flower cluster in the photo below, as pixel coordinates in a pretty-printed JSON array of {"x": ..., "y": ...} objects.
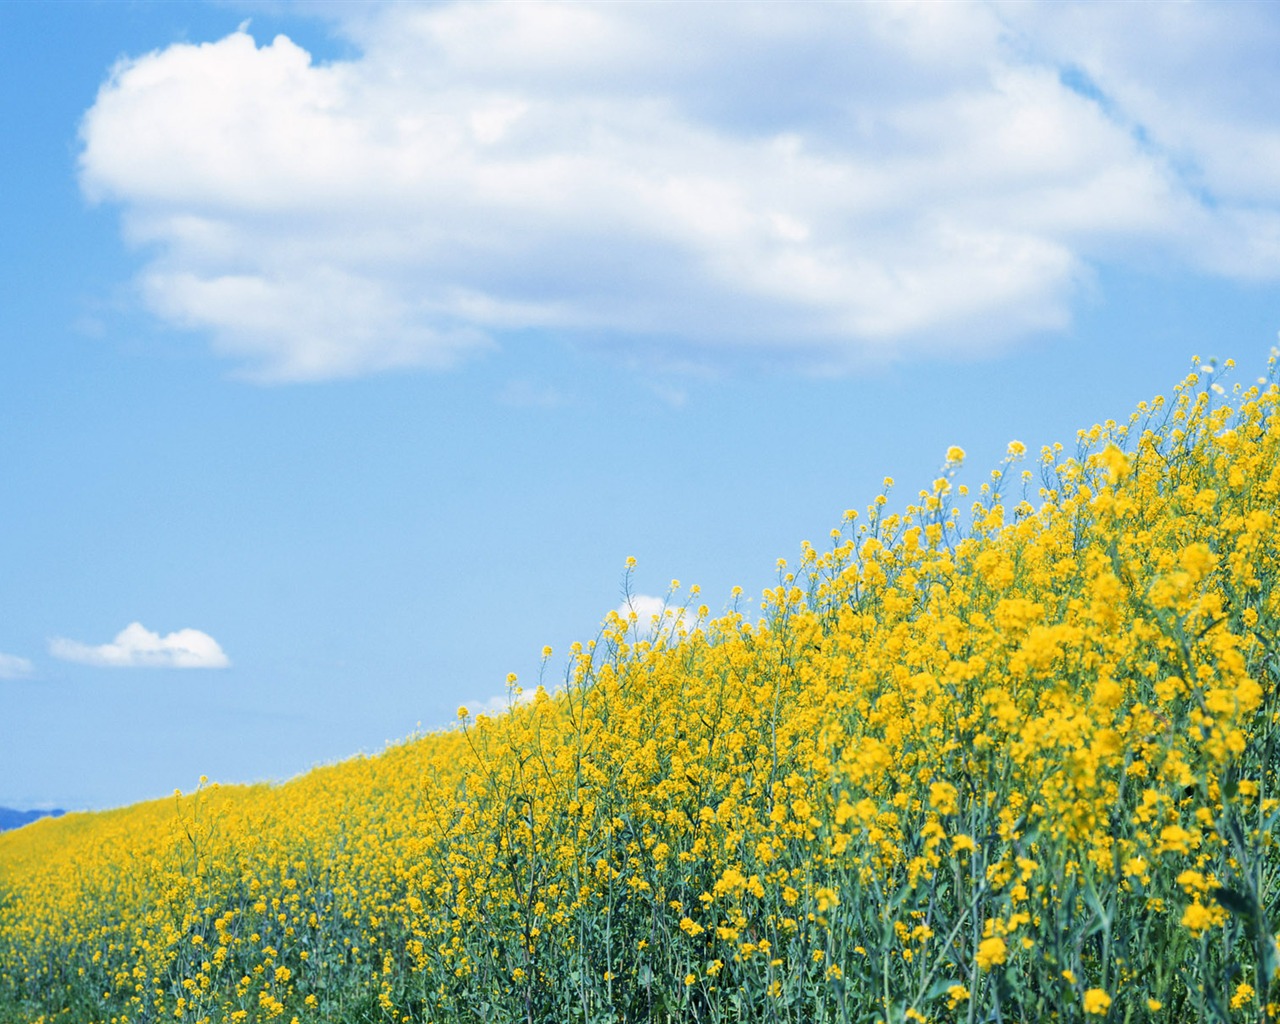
[{"x": 1017, "y": 760}]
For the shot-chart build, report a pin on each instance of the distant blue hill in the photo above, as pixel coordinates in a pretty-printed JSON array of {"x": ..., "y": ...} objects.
[{"x": 9, "y": 818}]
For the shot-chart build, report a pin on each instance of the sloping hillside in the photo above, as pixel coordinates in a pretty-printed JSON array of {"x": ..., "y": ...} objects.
[{"x": 1010, "y": 754}]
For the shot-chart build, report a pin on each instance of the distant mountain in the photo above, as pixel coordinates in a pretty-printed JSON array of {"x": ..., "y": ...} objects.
[{"x": 9, "y": 818}]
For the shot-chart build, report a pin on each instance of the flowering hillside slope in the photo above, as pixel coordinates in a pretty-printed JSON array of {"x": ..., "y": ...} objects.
[{"x": 1014, "y": 763}]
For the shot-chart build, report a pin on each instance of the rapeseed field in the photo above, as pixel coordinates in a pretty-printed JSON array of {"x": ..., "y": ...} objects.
[{"x": 1009, "y": 754}]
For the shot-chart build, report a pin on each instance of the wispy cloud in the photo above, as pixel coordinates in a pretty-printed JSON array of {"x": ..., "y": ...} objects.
[
  {"x": 135, "y": 646},
  {"x": 527, "y": 394},
  {"x": 723, "y": 183},
  {"x": 13, "y": 667}
]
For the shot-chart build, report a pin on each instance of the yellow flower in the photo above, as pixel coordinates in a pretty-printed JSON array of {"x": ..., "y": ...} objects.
[
  {"x": 943, "y": 798},
  {"x": 956, "y": 995},
  {"x": 1198, "y": 918},
  {"x": 1116, "y": 463},
  {"x": 1176, "y": 839},
  {"x": 1136, "y": 867},
  {"x": 1096, "y": 1001},
  {"x": 991, "y": 951}
]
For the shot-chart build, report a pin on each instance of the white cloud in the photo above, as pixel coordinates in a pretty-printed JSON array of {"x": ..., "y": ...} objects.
[
  {"x": 1194, "y": 83},
  {"x": 13, "y": 667},
  {"x": 135, "y": 646},
  {"x": 492, "y": 707},
  {"x": 654, "y": 617},
  {"x": 823, "y": 181}
]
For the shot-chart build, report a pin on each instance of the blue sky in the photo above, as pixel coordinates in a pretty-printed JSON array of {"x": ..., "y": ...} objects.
[{"x": 348, "y": 351}]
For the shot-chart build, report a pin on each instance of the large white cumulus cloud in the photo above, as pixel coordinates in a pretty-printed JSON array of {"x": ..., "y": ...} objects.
[{"x": 825, "y": 179}]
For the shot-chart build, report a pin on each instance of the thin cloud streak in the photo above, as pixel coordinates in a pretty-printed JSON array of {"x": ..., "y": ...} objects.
[{"x": 14, "y": 667}]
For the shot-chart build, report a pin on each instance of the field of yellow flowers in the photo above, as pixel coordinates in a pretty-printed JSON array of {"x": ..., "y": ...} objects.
[{"x": 1008, "y": 755}]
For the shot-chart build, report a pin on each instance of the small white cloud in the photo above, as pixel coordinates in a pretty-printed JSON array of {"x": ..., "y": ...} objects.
[
  {"x": 13, "y": 667},
  {"x": 653, "y": 616},
  {"x": 135, "y": 646},
  {"x": 494, "y": 706}
]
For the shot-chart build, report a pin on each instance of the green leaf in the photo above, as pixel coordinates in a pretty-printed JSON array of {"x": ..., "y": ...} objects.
[
  {"x": 1237, "y": 902},
  {"x": 1213, "y": 1003},
  {"x": 940, "y": 987},
  {"x": 1270, "y": 957}
]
